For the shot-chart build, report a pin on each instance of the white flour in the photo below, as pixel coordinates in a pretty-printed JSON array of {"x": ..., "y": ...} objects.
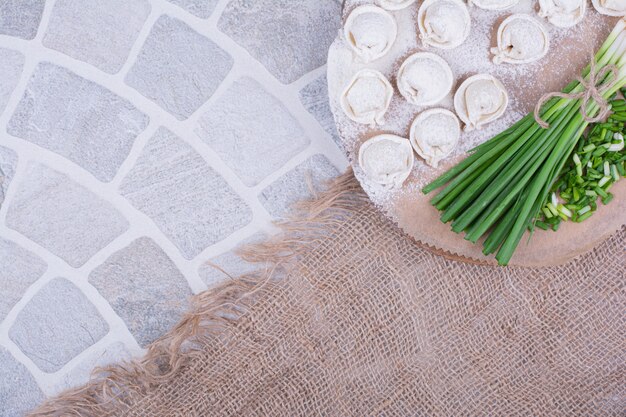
[{"x": 525, "y": 83}]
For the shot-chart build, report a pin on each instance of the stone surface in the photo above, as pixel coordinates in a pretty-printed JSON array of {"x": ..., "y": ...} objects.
[
  {"x": 178, "y": 68},
  {"x": 187, "y": 199},
  {"x": 289, "y": 37},
  {"x": 314, "y": 98},
  {"x": 20, "y": 18},
  {"x": 81, "y": 373},
  {"x": 8, "y": 163},
  {"x": 67, "y": 133},
  {"x": 231, "y": 263},
  {"x": 100, "y": 32},
  {"x": 252, "y": 131},
  {"x": 200, "y": 8},
  {"x": 11, "y": 64},
  {"x": 19, "y": 268},
  {"x": 298, "y": 184},
  {"x": 145, "y": 289},
  {"x": 57, "y": 324},
  {"x": 19, "y": 393},
  {"x": 62, "y": 216},
  {"x": 77, "y": 119}
]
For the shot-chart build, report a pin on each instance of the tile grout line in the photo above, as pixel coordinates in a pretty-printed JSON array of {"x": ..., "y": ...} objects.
[
  {"x": 155, "y": 112},
  {"x": 41, "y": 378},
  {"x": 141, "y": 225},
  {"x": 137, "y": 220}
]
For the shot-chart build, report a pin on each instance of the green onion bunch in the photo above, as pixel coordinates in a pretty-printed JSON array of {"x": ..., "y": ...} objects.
[{"x": 500, "y": 189}]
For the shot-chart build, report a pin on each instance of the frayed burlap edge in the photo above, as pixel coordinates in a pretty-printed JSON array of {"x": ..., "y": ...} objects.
[
  {"x": 215, "y": 313},
  {"x": 115, "y": 388}
]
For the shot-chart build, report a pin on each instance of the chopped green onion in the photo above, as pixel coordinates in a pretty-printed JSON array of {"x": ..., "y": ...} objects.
[
  {"x": 614, "y": 173},
  {"x": 603, "y": 181},
  {"x": 588, "y": 148},
  {"x": 606, "y": 200},
  {"x": 529, "y": 177},
  {"x": 584, "y": 217},
  {"x": 564, "y": 210},
  {"x": 547, "y": 213},
  {"x": 601, "y": 192},
  {"x": 552, "y": 209}
]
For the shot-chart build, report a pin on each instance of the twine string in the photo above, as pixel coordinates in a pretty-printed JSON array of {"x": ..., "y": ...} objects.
[{"x": 593, "y": 90}]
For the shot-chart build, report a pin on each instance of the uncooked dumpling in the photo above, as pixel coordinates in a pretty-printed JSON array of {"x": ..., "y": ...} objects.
[
  {"x": 387, "y": 160},
  {"x": 610, "y": 7},
  {"x": 481, "y": 99},
  {"x": 395, "y": 4},
  {"x": 443, "y": 23},
  {"x": 367, "y": 97},
  {"x": 563, "y": 13},
  {"x": 521, "y": 39},
  {"x": 370, "y": 31},
  {"x": 435, "y": 134},
  {"x": 493, "y": 4},
  {"x": 425, "y": 79}
]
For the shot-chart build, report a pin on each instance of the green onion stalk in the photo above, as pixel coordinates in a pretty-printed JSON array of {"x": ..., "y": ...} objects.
[{"x": 501, "y": 188}]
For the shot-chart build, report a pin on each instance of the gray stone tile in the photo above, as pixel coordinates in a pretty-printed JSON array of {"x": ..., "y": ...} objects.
[
  {"x": 100, "y": 32},
  {"x": 19, "y": 393},
  {"x": 62, "y": 216},
  {"x": 77, "y": 119},
  {"x": 231, "y": 263},
  {"x": 145, "y": 289},
  {"x": 297, "y": 185},
  {"x": 19, "y": 268},
  {"x": 289, "y": 37},
  {"x": 178, "y": 68},
  {"x": 57, "y": 324},
  {"x": 200, "y": 8},
  {"x": 314, "y": 98},
  {"x": 81, "y": 373},
  {"x": 11, "y": 65},
  {"x": 20, "y": 18},
  {"x": 187, "y": 199},
  {"x": 8, "y": 163},
  {"x": 251, "y": 131}
]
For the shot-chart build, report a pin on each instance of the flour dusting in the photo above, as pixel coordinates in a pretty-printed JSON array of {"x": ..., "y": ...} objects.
[{"x": 570, "y": 50}]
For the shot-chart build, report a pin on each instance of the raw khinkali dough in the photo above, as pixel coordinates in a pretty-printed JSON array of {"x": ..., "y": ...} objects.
[
  {"x": 394, "y": 4},
  {"x": 434, "y": 135},
  {"x": 610, "y": 7},
  {"x": 481, "y": 99},
  {"x": 425, "y": 79},
  {"x": 521, "y": 39},
  {"x": 387, "y": 160},
  {"x": 370, "y": 31},
  {"x": 563, "y": 13},
  {"x": 493, "y": 4},
  {"x": 367, "y": 97},
  {"x": 443, "y": 24}
]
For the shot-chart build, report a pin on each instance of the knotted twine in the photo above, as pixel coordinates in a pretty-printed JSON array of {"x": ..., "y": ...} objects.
[{"x": 593, "y": 90}]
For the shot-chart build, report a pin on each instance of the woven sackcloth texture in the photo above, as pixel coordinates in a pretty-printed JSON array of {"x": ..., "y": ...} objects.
[{"x": 352, "y": 318}]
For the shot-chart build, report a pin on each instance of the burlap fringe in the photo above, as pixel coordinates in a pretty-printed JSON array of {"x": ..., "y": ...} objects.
[{"x": 213, "y": 313}]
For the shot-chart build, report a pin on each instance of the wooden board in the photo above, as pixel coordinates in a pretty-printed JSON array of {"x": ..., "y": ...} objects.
[{"x": 408, "y": 207}]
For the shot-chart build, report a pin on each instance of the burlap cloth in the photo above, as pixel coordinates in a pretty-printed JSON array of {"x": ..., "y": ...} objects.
[{"x": 352, "y": 318}]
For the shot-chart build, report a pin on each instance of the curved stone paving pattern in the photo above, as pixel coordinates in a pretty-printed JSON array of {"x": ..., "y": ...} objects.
[{"x": 141, "y": 143}]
